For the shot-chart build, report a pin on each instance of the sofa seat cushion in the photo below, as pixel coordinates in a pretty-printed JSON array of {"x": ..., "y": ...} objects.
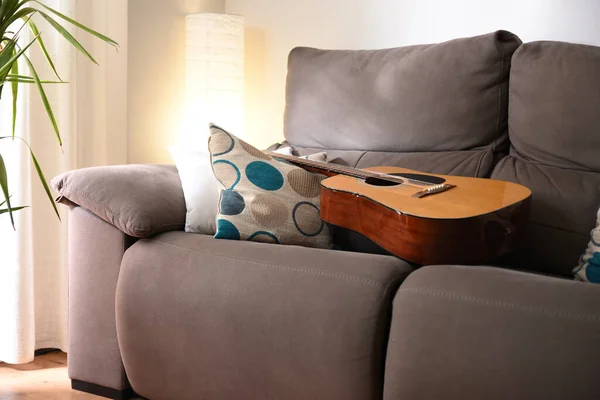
[
  {"x": 443, "y": 97},
  {"x": 204, "y": 318},
  {"x": 474, "y": 333}
]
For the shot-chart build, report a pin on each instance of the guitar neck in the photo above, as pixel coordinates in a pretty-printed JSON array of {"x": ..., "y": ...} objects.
[{"x": 329, "y": 168}]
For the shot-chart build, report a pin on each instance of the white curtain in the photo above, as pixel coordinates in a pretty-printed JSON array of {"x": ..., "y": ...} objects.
[{"x": 91, "y": 111}]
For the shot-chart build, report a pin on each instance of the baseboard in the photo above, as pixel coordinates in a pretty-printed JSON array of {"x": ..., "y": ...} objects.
[{"x": 102, "y": 391}]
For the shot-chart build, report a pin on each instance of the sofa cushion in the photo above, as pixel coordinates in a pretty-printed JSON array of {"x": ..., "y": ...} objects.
[
  {"x": 554, "y": 105},
  {"x": 475, "y": 333},
  {"x": 442, "y": 97},
  {"x": 264, "y": 199},
  {"x": 251, "y": 320},
  {"x": 140, "y": 200},
  {"x": 554, "y": 127},
  {"x": 465, "y": 163}
]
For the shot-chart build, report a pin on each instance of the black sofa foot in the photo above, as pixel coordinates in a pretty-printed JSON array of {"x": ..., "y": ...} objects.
[{"x": 101, "y": 390}]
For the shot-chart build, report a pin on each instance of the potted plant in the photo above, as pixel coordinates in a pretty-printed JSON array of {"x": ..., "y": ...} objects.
[{"x": 15, "y": 19}]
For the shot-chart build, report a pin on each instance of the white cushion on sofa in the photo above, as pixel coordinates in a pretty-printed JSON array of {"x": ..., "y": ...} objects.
[{"x": 200, "y": 189}]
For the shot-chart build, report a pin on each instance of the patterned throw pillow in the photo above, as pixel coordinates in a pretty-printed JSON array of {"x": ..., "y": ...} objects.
[
  {"x": 588, "y": 269},
  {"x": 264, "y": 199}
]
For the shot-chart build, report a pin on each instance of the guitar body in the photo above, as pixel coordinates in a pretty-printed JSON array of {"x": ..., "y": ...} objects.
[{"x": 475, "y": 222}]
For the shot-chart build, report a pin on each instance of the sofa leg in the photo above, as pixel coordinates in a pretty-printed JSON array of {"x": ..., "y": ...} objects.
[{"x": 102, "y": 390}]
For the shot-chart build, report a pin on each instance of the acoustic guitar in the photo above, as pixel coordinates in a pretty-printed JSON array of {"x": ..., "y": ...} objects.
[{"x": 423, "y": 218}]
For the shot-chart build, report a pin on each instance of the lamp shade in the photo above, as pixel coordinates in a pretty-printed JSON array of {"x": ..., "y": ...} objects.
[{"x": 214, "y": 73}]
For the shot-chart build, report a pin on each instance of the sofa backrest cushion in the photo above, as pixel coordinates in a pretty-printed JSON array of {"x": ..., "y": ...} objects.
[
  {"x": 443, "y": 97},
  {"x": 554, "y": 129}
]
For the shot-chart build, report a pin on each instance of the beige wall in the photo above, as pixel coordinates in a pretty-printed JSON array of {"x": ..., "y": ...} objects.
[
  {"x": 156, "y": 74},
  {"x": 274, "y": 27}
]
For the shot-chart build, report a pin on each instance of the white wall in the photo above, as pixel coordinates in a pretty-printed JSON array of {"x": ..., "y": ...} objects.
[
  {"x": 156, "y": 74},
  {"x": 274, "y": 27}
]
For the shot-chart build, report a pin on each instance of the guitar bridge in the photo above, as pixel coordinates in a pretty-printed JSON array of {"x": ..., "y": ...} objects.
[{"x": 433, "y": 190}]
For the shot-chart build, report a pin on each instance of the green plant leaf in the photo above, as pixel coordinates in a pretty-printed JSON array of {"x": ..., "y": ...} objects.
[
  {"x": 65, "y": 33},
  {"x": 15, "y": 93},
  {"x": 12, "y": 209},
  {"x": 18, "y": 14},
  {"x": 4, "y": 187},
  {"x": 8, "y": 6},
  {"x": 4, "y": 68},
  {"x": 34, "y": 30},
  {"x": 77, "y": 24},
  {"x": 40, "y": 174},
  {"x": 44, "y": 98},
  {"x": 28, "y": 79}
]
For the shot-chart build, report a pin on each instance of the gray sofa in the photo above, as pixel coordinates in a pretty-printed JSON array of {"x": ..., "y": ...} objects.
[{"x": 173, "y": 315}]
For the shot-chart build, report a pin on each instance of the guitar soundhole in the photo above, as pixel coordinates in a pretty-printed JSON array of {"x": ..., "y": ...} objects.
[{"x": 434, "y": 180}]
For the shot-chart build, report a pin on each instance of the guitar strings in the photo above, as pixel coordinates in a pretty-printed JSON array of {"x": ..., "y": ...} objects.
[{"x": 346, "y": 170}]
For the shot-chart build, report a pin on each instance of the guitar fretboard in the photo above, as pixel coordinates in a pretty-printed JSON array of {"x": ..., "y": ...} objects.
[{"x": 340, "y": 169}]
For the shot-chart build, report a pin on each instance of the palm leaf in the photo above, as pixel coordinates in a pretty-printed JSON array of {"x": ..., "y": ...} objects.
[
  {"x": 65, "y": 33},
  {"x": 28, "y": 79},
  {"x": 4, "y": 187},
  {"x": 34, "y": 30},
  {"x": 44, "y": 98},
  {"x": 4, "y": 68},
  {"x": 16, "y": 15},
  {"x": 40, "y": 174},
  {"x": 15, "y": 92},
  {"x": 77, "y": 24},
  {"x": 7, "y": 6},
  {"x": 12, "y": 209}
]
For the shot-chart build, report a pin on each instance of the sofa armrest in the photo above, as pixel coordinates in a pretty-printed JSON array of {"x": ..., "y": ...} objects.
[
  {"x": 139, "y": 200},
  {"x": 487, "y": 333}
]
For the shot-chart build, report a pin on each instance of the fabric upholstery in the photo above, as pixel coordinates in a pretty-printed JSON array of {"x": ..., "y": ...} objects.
[
  {"x": 473, "y": 163},
  {"x": 200, "y": 318},
  {"x": 553, "y": 128},
  {"x": 140, "y": 200},
  {"x": 95, "y": 252},
  {"x": 449, "y": 96},
  {"x": 554, "y": 103},
  {"x": 563, "y": 212},
  {"x": 473, "y": 333},
  {"x": 265, "y": 199}
]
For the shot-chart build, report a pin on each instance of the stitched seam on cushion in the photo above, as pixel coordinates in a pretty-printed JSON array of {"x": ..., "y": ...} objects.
[
  {"x": 352, "y": 278},
  {"x": 499, "y": 108},
  {"x": 503, "y": 304},
  {"x": 360, "y": 158},
  {"x": 479, "y": 164}
]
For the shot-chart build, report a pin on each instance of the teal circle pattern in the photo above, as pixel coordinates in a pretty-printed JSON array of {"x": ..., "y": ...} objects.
[
  {"x": 230, "y": 147},
  {"x": 264, "y": 176},
  {"x": 307, "y": 234},
  {"x": 269, "y": 234},
  {"x": 226, "y": 230},
  {"x": 237, "y": 170},
  {"x": 232, "y": 203}
]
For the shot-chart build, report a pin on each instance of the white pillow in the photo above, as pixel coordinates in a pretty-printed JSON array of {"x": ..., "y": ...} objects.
[{"x": 200, "y": 189}]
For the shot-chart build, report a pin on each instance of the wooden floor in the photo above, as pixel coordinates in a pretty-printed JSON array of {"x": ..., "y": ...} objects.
[{"x": 44, "y": 378}]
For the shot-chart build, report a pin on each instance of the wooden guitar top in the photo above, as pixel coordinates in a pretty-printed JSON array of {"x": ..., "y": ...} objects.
[{"x": 471, "y": 197}]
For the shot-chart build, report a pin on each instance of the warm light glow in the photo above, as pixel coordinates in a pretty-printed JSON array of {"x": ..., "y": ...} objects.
[{"x": 214, "y": 75}]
